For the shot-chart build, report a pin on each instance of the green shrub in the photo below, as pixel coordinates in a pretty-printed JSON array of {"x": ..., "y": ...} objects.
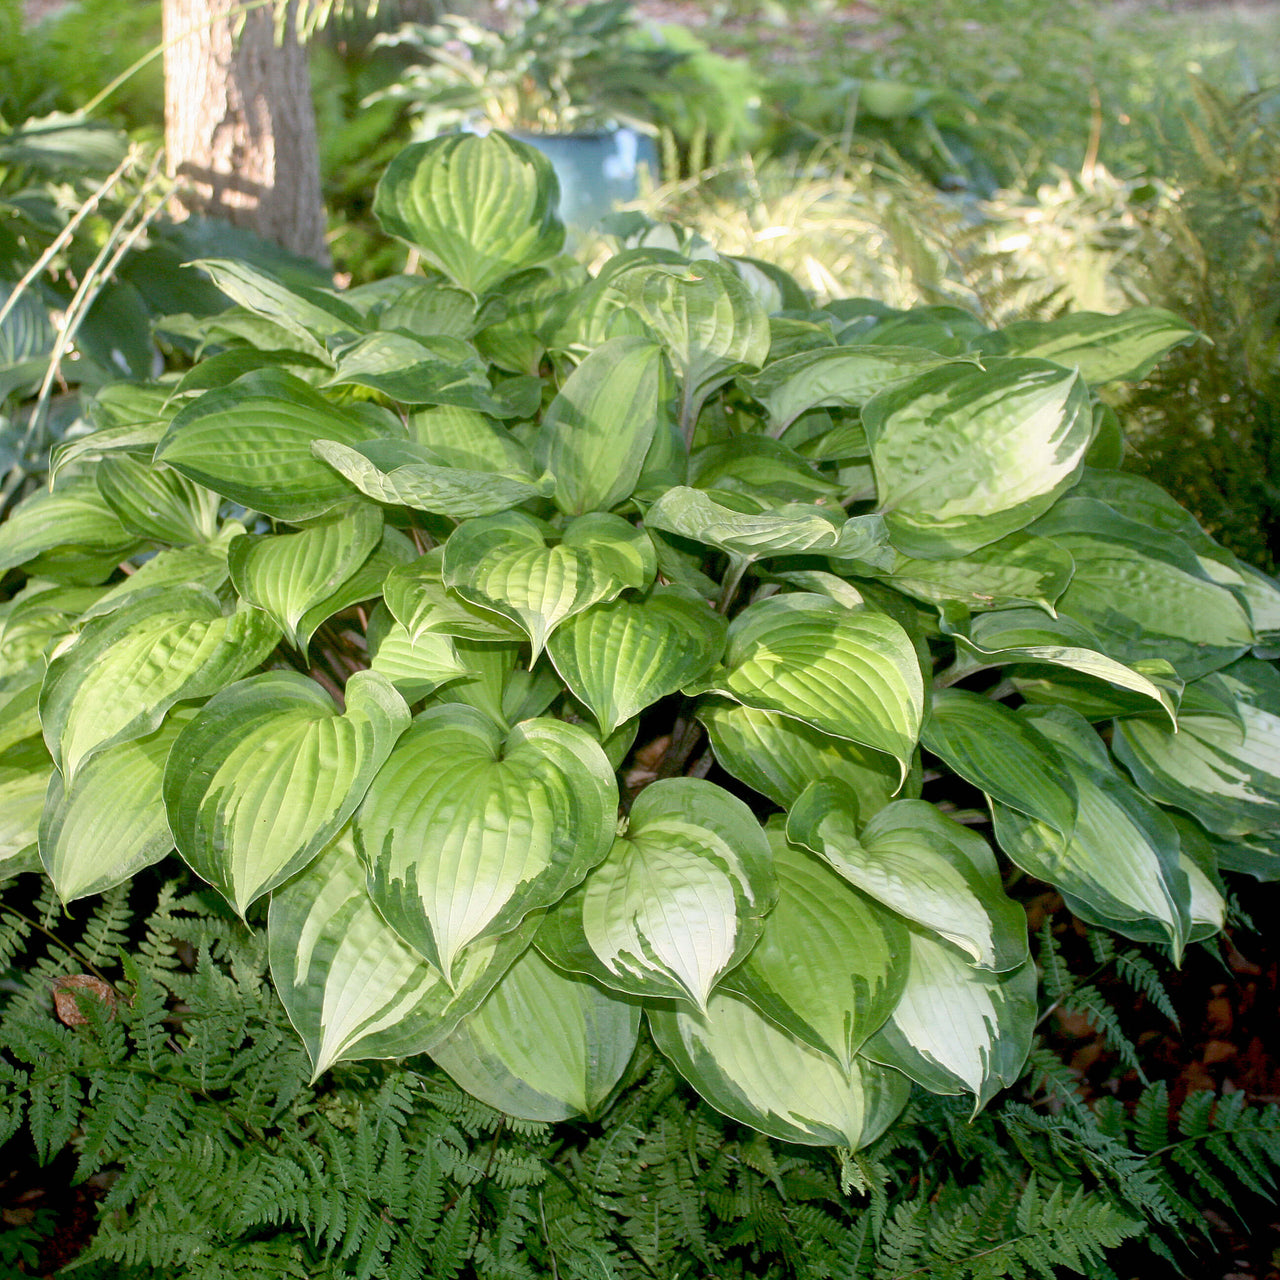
[{"x": 539, "y": 653}]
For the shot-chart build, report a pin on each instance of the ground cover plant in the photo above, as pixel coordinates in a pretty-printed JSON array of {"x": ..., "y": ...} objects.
[{"x": 523, "y": 656}]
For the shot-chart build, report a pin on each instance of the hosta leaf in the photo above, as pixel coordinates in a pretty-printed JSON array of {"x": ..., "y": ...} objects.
[
  {"x": 707, "y": 319},
  {"x": 1143, "y": 592},
  {"x": 760, "y": 467},
  {"x": 1226, "y": 776},
  {"x": 1020, "y": 569},
  {"x": 679, "y": 900},
  {"x": 741, "y": 527},
  {"x": 366, "y": 582},
  {"x": 851, "y": 674},
  {"x": 779, "y": 756},
  {"x": 155, "y": 502},
  {"x": 1103, "y": 348},
  {"x": 427, "y": 370},
  {"x": 416, "y": 667},
  {"x": 470, "y": 440},
  {"x": 545, "y": 1045},
  {"x": 956, "y": 1028},
  {"x": 477, "y": 209},
  {"x": 423, "y": 305},
  {"x": 834, "y": 376},
  {"x": 287, "y": 575},
  {"x": 466, "y": 831},
  {"x": 1024, "y": 635},
  {"x": 312, "y": 316},
  {"x": 504, "y": 563},
  {"x": 269, "y": 771},
  {"x": 348, "y": 982},
  {"x": 489, "y": 681},
  {"x": 828, "y": 967},
  {"x": 112, "y": 822},
  {"x": 197, "y": 566},
  {"x": 596, "y": 432},
  {"x": 999, "y": 752},
  {"x": 965, "y": 456},
  {"x": 75, "y": 515},
  {"x": 417, "y": 597},
  {"x": 756, "y": 1073},
  {"x": 1120, "y": 862},
  {"x": 125, "y": 670},
  {"x": 919, "y": 863},
  {"x": 620, "y": 657},
  {"x": 251, "y": 442},
  {"x": 22, "y": 797},
  {"x": 405, "y": 473}
]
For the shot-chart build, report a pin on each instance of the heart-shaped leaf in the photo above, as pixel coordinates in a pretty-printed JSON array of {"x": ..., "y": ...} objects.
[
  {"x": 756, "y": 1073},
  {"x": 679, "y": 900},
  {"x": 268, "y": 772},
  {"x": 921, "y": 864},
  {"x": 956, "y": 1028},
  {"x": 125, "y": 670},
  {"x": 112, "y": 822},
  {"x": 780, "y": 756},
  {"x": 544, "y": 1046},
  {"x": 155, "y": 502},
  {"x": 622, "y": 656},
  {"x": 287, "y": 575},
  {"x": 348, "y": 982},
  {"x": 466, "y": 831},
  {"x": 417, "y": 597},
  {"x": 73, "y": 515},
  {"x": 22, "y": 800},
  {"x": 852, "y": 674},
  {"x": 827, "y": 968},
  {"x": 405, "y": 473},
  {"x": 966, "y": 456},
  {"x": 504, "y": 563},
  {"x": 596, "y": 432},
  {"x": 1120, "y": 863},
  {"x": 426, "y": 370},
  {"x": 251, "y": 442},
  {"x": 416, "y": 667},
  {"x": 477, "y": 209}
]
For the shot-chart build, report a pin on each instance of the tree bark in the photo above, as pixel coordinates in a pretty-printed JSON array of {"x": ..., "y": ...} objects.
[{"x": 240, "y": 129}]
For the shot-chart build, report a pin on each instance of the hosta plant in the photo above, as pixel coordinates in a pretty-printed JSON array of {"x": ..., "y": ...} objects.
[{"x": 539, "y": 655}]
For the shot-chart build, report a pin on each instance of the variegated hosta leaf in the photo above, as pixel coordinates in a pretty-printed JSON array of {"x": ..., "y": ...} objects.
[
  {"x": 197, "y": 566},
  {"x": 1105, "y": 348},
  {"x": 470, "y": 440},
  {"x": 478, "y": 209},
  {"x": 112, "y": 822},
  {"x": 418, "y": 599},
  {"x": 957, "y": 1028},
  {"x": 1020, "y": 569},
  {"x": 595, "y": 434},
  {"x": 269, "y": 771},
  {"x": 416, "y": 667},
  {"x": 125, "y": 670},
  {"x": 679, "y": 900},
  {"x": 155, "y": 502},
  {"x": 707, "y": 319},
  {"x": 1120, "y": 862},
  {"x": 830, "y": 376},
  {"x": 74, "y": 517},
  {"x": 741, "y": 526},
  {"x": 1000, "y": 753},
  {"x": 544, "y": 1045},
  {"x": 287, "y": 575},
  {"x": 778, "y": 756},
  {"x": 756, "y": 1073},
  {"x": 503, "y": 563},
  {"x": 465, "y": 830},
  {"x": 1143, "y": 593},
  {"x": 251, "y": 442},
  {"x": 622, "y": 656},
  {"x": 828, "y": 967},
  {"x": 406, "y": 473},
  {"x": 22, "y": 796},
  {"x": 433, "y": 369},
  {"x": 348, "y": 982},
  {"x": 1026, "y": 635},
  {"x": 852, "y": 674},
  {"x": 966, "y": 456},
  {"x": 919, "y": 863},
  {"x": 1227, "y": 776},
  {"x": 1208, "y": 908}
]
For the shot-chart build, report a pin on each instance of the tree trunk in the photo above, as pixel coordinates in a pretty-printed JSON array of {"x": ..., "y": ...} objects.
[{"x": 239, "y": 125}]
